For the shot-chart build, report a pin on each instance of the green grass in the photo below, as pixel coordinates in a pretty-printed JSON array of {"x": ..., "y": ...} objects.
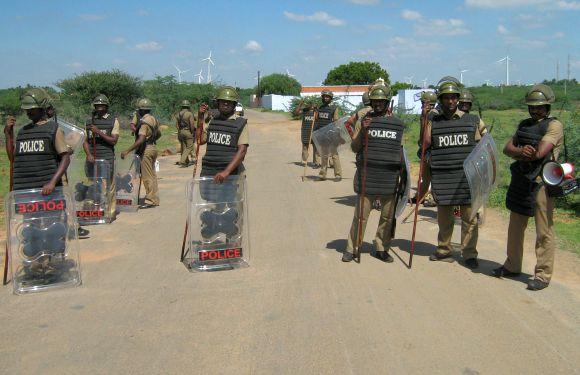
[{"x": 567, "y": 225}]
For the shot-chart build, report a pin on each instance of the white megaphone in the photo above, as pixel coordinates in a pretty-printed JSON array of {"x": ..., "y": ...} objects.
[{"x": 553, "y": 173}]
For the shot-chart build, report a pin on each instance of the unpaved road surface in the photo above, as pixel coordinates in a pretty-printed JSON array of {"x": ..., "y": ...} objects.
[{"x": 298, "y": 308}]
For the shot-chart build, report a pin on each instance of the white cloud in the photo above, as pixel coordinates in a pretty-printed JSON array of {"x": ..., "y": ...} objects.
[
  {"x": 449, "y": 27},
  {"x": 364, "y": 2},
  {"x": 148, "y": 46},
  {"x": 321, "y": 17},
  {"x": 253, "y": 46},
  {"x": 502, "y": 30},
  {"x": 410, "y": 48},
  {"x": 411, "y": 15},
  {"x": 142, "y": 13},
  {"x": 118, "y": 40},
  {"x": 92, "y": 17},
  {"x": 568, "y": 5},
  {"x": 501, "y": 4},
  {"x": 558, "y": 35},
  {"x": 75, "y": 65}
]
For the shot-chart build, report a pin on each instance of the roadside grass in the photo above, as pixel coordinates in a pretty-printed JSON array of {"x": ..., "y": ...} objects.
[{"x": 567, "y": 211}]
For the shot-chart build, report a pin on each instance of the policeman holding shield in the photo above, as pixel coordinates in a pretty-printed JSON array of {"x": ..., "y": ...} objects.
[
  {"x": 452, "y": 135},
  {"x": 328, "y": 113},
  {"x": 536, "y": 140},
  {"x": 377, "y": 142},
  {"x": 307, "y": 112}
]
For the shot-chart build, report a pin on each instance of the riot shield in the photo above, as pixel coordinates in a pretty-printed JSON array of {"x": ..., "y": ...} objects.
[
  {"x": 405, "y": 185},
  {"x": 332, "y": 138},
  {"x": 217, "y": 224},
  {"x": 481, "y": 168},
  {"x": 42, "y": 240},
  {"x": 90, "y": 191},
  {"x": 73, "y": 135},
  {"x": 127, "y": 182}
]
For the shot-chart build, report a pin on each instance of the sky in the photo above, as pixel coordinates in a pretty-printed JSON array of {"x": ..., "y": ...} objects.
[{"x": 415, "y": 41}]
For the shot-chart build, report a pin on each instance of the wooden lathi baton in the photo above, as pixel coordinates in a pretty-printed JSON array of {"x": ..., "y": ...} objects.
[
  {"x": 363, "y": 189},
  {"x": 10, "y": 152}
]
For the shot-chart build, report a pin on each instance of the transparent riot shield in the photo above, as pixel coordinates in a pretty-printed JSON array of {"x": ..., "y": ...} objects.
[
  {"x": 405, "y": 185},
  {"x": 481, "y": 167},
  {"x": 127, "y": 182},
  {"x": 332, "y": 138},
  {"x": 217, "y": 221},
  {"x": 90, "y": 192},
  {"x": 42, "y": 240},
  {"x": 73, "y": 135}
]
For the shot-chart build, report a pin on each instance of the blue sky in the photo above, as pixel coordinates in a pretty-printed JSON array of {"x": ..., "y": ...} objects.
[{"x": 44, "y": 41}]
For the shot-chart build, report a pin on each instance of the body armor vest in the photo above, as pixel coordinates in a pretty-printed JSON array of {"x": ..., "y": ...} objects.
[
  {"x": 384, "y": 158},
  {"x": 181, "y": 120},
  {"x": 35, "y": 156},
  {"x": 451, "y": 142},
  {"x": 307, "y": 117},
  {"x": 521, "y": 195},
  {"x": 222, "y": 145},
  {"x": 103, "y": 149},
  {"x": 325, "y": 116}
]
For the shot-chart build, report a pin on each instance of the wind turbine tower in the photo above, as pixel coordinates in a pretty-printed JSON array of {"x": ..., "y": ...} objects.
[
  {"x": 209, "y": 64},
  {"x": 288, "y": 73},
  {"x": 461, "y": 75},
  {"x": 180, "y": 72},
  {"x": 199, "y": 77},
  {"x": 507, "y": 69},
  {"x": 424, "y": 83}
]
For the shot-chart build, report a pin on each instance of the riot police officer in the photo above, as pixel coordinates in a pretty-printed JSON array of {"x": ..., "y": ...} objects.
[
  {"x": 186, "y": 124},
  {"x": 102, "y": 136},
  {"x": 307, "y": 112},
  {"x": 452, "y": 135},
  {"x": 465, "y": 101},
  {"x": 227, "y": 138},
  {"x": 146, "y": 135},
  {"x": 536, "y": 140},
  {"x": 384, "y": 133},
  {"x": 328, "y": 113}
]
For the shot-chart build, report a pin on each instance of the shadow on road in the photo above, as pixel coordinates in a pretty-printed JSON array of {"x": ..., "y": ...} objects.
[
  {"x": 347, "y": 200},
  {"x": 421, "y": 248},
  {"x": 340, "y": 246}
]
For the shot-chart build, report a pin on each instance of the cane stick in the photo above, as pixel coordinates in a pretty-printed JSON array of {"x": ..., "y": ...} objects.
[
  {"x": 314, "y": 117},
  {"x": 423, "y": 126},
  {"x": 198, "y": 135},
  {"x": 361, "y": 198},
  {"x": 417, "y": 203},
  {"x": 10, "y": 151}
]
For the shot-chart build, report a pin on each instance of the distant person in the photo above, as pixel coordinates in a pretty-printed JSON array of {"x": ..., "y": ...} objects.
[
  {"x": 186, "y": 125},
  {"x": 537, "y": 139},
  {"x": 326, "y": 114},
  {"x": 146, "y": 135},
  {"x": 465, "y": 101},
  {"x": 307, "y": 111}
]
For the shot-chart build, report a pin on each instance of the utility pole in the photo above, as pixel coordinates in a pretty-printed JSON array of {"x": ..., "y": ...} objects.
[
  {"x": 259, "y": 91},
  {"x": 557, "y": 70},
  {"x": 567, "y": 77}
]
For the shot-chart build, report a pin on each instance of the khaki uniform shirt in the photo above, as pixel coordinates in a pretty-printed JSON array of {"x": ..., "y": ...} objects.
[
  {"x": 188, "y": 117},
  {"x": 244, "y": 138},
  {"x": 146, "y": 130},
  {"x": 479, "y": 132},
  {"x": 555, "y": 136}
]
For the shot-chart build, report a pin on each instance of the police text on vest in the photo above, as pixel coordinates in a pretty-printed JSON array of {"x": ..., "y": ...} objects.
[
  {"x": 31, "y": 146},
  {"x": 220, "y": 138},
  {"x": 388, "y": 134},
  {"x": 453, "y": 140}
]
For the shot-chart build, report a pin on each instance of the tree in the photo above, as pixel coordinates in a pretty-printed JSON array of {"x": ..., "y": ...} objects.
[
  {"x": 356, "y": 73},
  {"x": 400, "y": 86},
  {"x": 280, "y": 84}
]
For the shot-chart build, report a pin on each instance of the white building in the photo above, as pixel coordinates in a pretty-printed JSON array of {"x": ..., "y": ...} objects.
[
  {"x": 348, "y": 95},
  {"x": 409, "y": 101},
  {"x": 277, "y": 102}
]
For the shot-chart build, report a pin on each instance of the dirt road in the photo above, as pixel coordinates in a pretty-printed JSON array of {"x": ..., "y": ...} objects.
[{"x": 298, "y": 308}]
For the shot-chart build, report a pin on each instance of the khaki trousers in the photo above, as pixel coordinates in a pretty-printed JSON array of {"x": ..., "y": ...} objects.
[
  {"x": 315, "y": 154},
  {"x": 149, "y": 176},
  {"x": 335, "y": 164},
  {"x": 383, "y": 238},
  {"x": 426, "y": 181},
  {"x": 187, "y": 145},
  {"x": 112, "y": 196},
  {"x": 545, "y": 238},
  {"x": 469, "y": 231}
]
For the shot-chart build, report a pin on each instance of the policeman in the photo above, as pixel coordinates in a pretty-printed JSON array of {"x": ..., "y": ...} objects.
[
  {"x": 40, "y": 154},
  {"x": 366, "y": 102},
  {"x": 102, "y": 136},
  {"x": 146, "y": 136},
  {"x": 452, "y": 135},
  {"x": 428, "y": 101},
  {"x": 385, "y": 134},
  {"x": 307, "y": 113},
  {"x": 465, "y": 101},
  {"x": 227, "y": 138},
  {"x": 328, "y": 113},
  {"x": 537, "y": 140},
  {"x": 186, "y": 125}
]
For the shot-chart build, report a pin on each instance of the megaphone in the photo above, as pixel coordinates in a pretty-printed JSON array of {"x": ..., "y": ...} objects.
[{"x": 554, "y": 173}]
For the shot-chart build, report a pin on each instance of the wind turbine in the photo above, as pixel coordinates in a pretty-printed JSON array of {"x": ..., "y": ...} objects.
[
  {"x": 487, "y": 82},
  {"x": 507, "y": 69},
  {"x": 288, "y": 73},
  {"x": 461, "y": 75},
  {"x": 199, "y": 77},
  {"x": 209, "y": 61},
  {"x": 424, "y": 83},
  {"x": 410, "y": 80},
  {"x": 180, "y": 72}
]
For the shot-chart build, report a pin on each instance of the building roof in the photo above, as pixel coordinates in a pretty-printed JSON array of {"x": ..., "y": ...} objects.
[{"x": 337, "y": 88}]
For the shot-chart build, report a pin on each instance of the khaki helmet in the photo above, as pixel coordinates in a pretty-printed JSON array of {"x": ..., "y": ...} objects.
[
  {"x": 35, "y": 98},
  {"x": 144, "y": 103},
  {"x": 380, "y": 82},
  {"x": 449, "y": 79},
  {"x": 447, "y": 88},
  {"x": 428, "y": 96},
  {"x": 228, "y": 93},
  {"x": 365, "y": 99},
  {"x": 466, "y": 96},
  {"x": 185, "y": 103},
  {"x": 101, "y": 99},
  {"x": 540, "y": 95},
  {"x": 380, "y": 92},
  {"x": 327, "y": 93}
]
